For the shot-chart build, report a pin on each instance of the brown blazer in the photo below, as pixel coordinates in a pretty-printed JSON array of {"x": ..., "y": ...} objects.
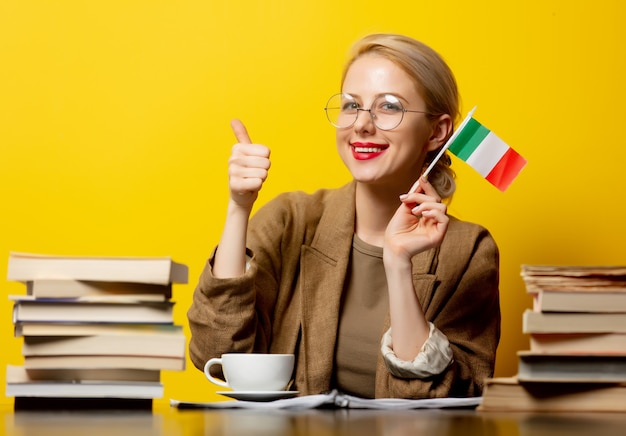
[{"x": 289, "y": 299}]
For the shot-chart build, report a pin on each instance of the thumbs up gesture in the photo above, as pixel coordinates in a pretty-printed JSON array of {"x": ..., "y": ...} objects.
[{"x": 248, "y": 167}]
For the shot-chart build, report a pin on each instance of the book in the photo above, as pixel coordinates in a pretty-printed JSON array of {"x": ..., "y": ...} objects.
[
  {"x": 165, "y": 345},
  {"x": 91, "y": 329},
  {"x": 507, "y": 394},
  {"x": 85, "y": 389},
  {"x": 550, "y": 300},
  {"x": 25, "y": 267},
  {"x": 567, "y": 288},
  {"x": 21, "y": 382},
  {"x": 20, "y": 374},
  {"x": 60, "y": 288},
  {"x": 571, "y": 368},
  {"x": 566, "y": 322},
  {"x": 578, "y": 343},
  {"x": 26, "y": 309},
  {"x": 104, "y": 362},
  {"x": 576, "y": 288},
  {"x": 48, "y": 404},
  {"x": 333, "y": 399},
  {"x": 576, "y": 274}
]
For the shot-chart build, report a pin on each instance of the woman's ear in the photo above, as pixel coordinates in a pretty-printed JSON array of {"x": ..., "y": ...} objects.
[{"x": 442, "y": 129}]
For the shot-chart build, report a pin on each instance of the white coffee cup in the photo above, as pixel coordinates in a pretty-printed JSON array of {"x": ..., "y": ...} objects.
[{"x": 252, "y": 371}]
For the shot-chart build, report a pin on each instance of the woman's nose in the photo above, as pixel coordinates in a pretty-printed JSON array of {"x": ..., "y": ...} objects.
[{"x": 364, "y": 120}]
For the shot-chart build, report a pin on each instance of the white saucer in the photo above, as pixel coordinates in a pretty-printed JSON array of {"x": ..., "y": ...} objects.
[{"x": 258, "y": 395}]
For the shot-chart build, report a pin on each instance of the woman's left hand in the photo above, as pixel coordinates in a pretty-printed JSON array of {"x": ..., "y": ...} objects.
[{"x": 419, "y": 223}]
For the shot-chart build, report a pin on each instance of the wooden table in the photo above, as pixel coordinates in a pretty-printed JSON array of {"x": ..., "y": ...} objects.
[{"x": 167, "y": 421}]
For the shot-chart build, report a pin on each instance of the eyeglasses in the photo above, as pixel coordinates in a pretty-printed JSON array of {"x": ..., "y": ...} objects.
[{"x": 387, "y": 112}]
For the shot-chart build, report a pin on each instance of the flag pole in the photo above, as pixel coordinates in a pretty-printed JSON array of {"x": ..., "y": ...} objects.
[{"x": 444, "y": 148}]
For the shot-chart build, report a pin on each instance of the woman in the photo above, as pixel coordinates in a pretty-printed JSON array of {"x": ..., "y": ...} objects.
[{"x": 327, "y": 275}]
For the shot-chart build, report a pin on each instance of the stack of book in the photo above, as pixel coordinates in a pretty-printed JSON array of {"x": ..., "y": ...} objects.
[
  {"x": 94, "y": 329},
  {"x": 577, "y": 330}
]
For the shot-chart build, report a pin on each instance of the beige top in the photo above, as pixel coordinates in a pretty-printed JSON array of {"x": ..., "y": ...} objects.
[
  {"x": 364, "y": 308},
  {"x": 361, "y": 324}
]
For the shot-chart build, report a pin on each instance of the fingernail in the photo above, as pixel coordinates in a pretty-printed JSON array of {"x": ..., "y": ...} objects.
[{"x": 404, "y": 196}]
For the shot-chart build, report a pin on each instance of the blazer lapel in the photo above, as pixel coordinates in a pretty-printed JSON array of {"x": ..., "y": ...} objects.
[{"x": 323, "y": 271}]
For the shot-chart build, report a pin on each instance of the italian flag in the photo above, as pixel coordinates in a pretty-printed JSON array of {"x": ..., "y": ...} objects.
[{"x": 486, "y": 153}]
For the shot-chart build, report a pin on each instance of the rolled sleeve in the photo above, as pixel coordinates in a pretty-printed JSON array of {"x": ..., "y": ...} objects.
[{"x": 433, "y": 358}]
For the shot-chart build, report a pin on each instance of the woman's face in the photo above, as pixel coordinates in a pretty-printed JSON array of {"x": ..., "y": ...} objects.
[{"x": 392, "y": 158}]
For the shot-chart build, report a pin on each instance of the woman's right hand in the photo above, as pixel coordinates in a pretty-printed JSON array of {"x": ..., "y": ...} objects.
[{"x": 248, "y": 167}]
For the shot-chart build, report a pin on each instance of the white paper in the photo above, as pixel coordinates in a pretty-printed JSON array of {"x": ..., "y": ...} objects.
[{"x": 333, "y": 399}]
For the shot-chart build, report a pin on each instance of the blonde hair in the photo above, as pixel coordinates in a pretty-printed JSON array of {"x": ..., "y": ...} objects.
[{"x": 434, "y": 81}]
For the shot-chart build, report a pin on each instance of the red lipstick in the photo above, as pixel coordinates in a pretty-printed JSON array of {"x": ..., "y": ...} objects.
[{"x": 367, "y": 150}]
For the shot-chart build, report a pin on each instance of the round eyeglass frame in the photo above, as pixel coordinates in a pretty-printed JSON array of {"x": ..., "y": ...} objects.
[{"x": 372, "y": 110}]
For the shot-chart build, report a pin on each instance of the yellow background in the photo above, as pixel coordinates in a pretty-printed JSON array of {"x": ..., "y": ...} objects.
[{"x": 114, "y": 133}]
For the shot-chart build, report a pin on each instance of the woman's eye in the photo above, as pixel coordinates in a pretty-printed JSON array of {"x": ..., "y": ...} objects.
[
  {"x": 390, "y": 107},
  {"x": 349, "y": 106}
]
